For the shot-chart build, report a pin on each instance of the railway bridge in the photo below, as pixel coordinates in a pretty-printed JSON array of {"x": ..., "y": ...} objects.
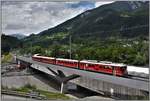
[{"x": 110, "y": 85}]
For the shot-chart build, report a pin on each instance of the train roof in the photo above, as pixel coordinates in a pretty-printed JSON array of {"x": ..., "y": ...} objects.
[
  {"x": 47, "y": 57},
  {"x": 104, "y": 63},
  {"x": 37, "y": 55},
  {"x": 66, "y": 59}
]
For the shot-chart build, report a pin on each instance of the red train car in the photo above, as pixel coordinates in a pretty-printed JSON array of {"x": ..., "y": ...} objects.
[
  {"x": 104, "y": 67},
  {"x": 67, "y": 62},
  {"x": 44, "y": 59}
]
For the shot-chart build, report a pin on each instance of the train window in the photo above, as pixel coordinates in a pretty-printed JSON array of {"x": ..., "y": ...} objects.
[
  {"x": 110, "y": 67},
  {"x": 124, "y": 67},
  {"x": 100, "y": 66},
  {"x": 118, "y": 68},
  {"x": 92, "y": 65},
  {"x": 105, "y": 66}
]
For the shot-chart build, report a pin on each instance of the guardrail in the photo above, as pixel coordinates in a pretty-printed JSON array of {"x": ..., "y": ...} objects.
[
  {"x": 11, "y": 75},
  {"x": 23, "y": 94}
]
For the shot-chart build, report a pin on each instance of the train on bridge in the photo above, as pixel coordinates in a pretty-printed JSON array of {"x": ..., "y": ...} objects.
[{"x": 102, "y": 66}]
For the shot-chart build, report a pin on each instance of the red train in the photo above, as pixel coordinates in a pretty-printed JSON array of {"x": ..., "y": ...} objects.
[{"x": 103, "y": 66}]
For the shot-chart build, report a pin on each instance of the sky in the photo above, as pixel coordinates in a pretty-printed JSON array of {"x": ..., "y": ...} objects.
[{"x": 33, "y": 17}]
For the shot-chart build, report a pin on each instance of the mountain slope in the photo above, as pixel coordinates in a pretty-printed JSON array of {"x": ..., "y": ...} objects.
[
  {"x": 8, "y": 43},
  {"x": 19, "y": 36},
  {"x": 123, "y": 19}
]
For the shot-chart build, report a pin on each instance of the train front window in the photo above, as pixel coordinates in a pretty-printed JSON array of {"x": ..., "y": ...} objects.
[
  {"x": 109, "y": 67},
  {"x": 124, "y": 68}
]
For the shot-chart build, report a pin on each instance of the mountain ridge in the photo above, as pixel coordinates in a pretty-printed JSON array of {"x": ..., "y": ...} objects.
[
  {"x": 19, "y": 36},
  {"x": 98, "y": 21},
  {"x": 59, "y": 28}
]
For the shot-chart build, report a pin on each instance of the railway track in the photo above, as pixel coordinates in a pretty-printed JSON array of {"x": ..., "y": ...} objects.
[
  {"x": 138, "y": 78},
  {"x": 131, "y": 76}
]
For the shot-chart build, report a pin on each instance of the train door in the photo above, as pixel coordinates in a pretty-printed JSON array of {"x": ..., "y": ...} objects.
[
  {"x": 85, "y": 66},
  {"x": 114, "y": 70},
  {"x": 81, "y": 65},
  {"x": 122, "y": 71}
]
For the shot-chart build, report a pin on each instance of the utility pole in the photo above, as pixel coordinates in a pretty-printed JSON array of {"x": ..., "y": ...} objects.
[
  {"x": 31, "y": 48},
  {"x": 70, "y": 45},
  {"x": 55, "y": 48}
]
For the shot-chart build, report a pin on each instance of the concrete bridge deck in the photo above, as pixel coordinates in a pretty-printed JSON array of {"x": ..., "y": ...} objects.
[{"x": 127, "y": 82}]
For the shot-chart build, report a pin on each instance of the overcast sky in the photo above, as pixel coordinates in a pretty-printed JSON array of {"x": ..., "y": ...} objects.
[{"x": 34, "y": 17}]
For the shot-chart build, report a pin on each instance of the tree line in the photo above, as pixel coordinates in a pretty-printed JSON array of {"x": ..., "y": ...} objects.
[{"x": 133, "y": 52}]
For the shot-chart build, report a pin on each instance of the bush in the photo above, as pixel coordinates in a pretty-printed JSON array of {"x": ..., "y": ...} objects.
[{"x": 30, "y": 86}]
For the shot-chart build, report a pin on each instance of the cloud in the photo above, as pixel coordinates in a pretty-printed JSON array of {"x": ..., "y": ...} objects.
[
  {"x": 34, "y": 17},
  {"x": 97, "y": 4},
  {"x": 14, "y": 26},
  {"x": 85, "y": 4}
]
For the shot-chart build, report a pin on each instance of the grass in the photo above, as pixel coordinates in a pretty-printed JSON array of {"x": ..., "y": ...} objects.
[
  {"x": 138, "y": 97},
  {"x": 7, "y": 58},
  {"x": 49, "y": 95},
  {"x": 52, "y": 95}
]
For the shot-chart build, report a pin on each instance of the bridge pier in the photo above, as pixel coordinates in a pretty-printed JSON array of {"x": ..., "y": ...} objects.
[
  {"x": 62, "y": 78},
  {"x": 62, "y": 87},
  {"x": 22, "y": 64},
  {"x": 18, "y": 63}
]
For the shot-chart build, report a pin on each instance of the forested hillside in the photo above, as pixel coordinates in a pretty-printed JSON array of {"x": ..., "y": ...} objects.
[{"x": 8, "y": 43}]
